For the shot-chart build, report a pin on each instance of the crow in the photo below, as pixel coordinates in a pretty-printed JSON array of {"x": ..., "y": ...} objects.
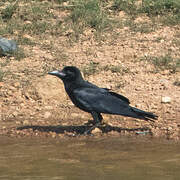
[{"x": 95, "y": 100}]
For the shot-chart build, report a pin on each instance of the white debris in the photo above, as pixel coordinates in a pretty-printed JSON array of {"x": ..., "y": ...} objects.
[{"x": 166, "y": 99}]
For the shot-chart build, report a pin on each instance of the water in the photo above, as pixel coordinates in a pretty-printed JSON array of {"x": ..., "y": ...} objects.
[{"x": 88, "y": 159}]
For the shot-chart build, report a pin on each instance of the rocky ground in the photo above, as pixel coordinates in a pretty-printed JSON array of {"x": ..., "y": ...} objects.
[{"x": 34, "y": 103}]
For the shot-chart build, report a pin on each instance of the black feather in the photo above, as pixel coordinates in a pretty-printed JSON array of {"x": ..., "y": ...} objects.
[{"x": 95, "y": 100}]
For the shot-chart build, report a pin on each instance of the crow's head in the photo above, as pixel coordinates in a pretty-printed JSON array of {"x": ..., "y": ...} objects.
[{"x": 68, "y": 74}]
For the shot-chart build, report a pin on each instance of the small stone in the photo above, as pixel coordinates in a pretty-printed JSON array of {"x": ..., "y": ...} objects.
[
  {"x": 17, "y": 84},
  {"x": 53, "y": 134},
  {"x": 96, "y": 130},
  {"x": 15, "y": 113},
  {"x": 166, "y": 99},
  {"x": 70, "y": 103},
  {"x": 28, "y": 22},
  {"x": 162, "y": 40},
  {"x": 7, "y": 46},
  {"x": 75, "y": 115},
  {"x": 165, "y": 72},
  {"x": 18, "y": 122},
  {"x": 47, "y": 115},
  {"x": 25, "y": 122},
  {"x": 1, "y": 84},
  {"x": 142, "y": 132},
  {"x": 49, "y": 107},
  {"x": 169, "y": 128},
  {"x": 137, "y": 88},
  {"x": 138, "y": 105}
]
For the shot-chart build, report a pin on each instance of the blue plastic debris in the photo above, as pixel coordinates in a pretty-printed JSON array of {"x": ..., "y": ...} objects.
[{"x": 7, "y": 46}]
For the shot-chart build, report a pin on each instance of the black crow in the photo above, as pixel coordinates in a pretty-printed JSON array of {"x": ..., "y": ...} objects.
[{"x": 95, "y": 100}]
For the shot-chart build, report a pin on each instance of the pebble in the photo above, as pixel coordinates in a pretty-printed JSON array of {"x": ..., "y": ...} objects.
[
  {"x": 17, "y": 84},
  {"x": 18, "y": 122},
  {"x": 25, "y": 122},
  {"x": 143, "y": 132},
  {"x": 75, "y": 115},
  {"x": 169, "y": 128},
  {"x": 49, "y": 107},
  {"x": 53, "y": 134},
  {"x": 96, "y": 130},
  {"x": 165, "y": 72},
  {"x": 1, "y": 84},
  {"x": 165, "y": 99},
  {"x": 12, "y": 88},
  {"x": 15, "y": 113},
  {"x": 70, "y": 103},
  {"x": 7, "y": 46},
  {"x": 47, "y": 115}
]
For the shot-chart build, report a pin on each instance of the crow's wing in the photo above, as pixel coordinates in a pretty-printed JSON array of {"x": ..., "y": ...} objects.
[
  {"x": 101, "y": 100},
  {"x": 90, "y": 85},
  {"x": 120, "y": 97},
  {"x": 117, "y": 95}
]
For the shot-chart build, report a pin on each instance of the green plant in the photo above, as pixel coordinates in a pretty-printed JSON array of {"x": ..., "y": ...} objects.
[
  {"x": 36, "y": 27},
  {"x": 8, "y": 12},
  {"x": 89, "y": 14},
  {"x": 160, "y": 7},
  {"x": 25, "y": 41},
  {"x": 90, "y": 69},
  {"x": 19, "y": 54},
  {"x": 60, "y": 1},
  {"x": 176, "y": 66},
  {"x": 164, "y": 63},
  {"x": 127, "y": 6},
  {"x": 142, "y": 27},
  {"x": 170, "y": 19},
  {"x": 1, "y": 75},
  {"x": 115, "y": 69}
]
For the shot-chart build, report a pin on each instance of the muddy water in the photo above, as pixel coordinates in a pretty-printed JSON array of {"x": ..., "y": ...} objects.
[{"x": 87, "y": 159}]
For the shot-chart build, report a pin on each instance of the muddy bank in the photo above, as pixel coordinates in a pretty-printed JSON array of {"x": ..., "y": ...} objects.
[
  {"x": 43, "y": 109},
  {"x": 143, "y": 66},
  {"x": 65, "y": 128}
]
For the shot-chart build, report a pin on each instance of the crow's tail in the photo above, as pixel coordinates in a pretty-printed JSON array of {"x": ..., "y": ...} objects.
[{"x": 148, "y": 116}]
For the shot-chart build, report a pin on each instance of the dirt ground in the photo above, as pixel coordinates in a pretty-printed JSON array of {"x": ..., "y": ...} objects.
[{"x": 35, "y": 104}]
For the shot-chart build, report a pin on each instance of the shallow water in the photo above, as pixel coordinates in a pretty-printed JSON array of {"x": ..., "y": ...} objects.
[{"x": 87, "y": 159}]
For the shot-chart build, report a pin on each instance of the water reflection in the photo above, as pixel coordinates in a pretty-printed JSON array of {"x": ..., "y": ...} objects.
[{"x": 110, "y": 158}]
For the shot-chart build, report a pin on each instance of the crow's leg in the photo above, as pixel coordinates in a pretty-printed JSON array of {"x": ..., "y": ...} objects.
[
  {"x": 97, "y": 118},
  {"x": 100, "y": 118}
]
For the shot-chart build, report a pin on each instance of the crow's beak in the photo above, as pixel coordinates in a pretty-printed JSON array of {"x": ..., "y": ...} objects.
[{"x": 57, "y": 73}]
